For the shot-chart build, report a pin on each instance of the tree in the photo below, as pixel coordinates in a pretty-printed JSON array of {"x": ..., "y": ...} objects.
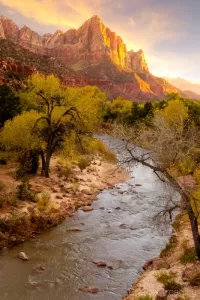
[
  {"x": 9, "y": 104},
  {"x": 171, "y": 140},
  {"x": 62, "y": 111}
]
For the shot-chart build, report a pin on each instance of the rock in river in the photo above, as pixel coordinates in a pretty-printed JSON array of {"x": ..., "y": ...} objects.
[
  {"x": 87, "y": 208},
  {"x": 23, "y": 256},
  {"x": 89, "y": 289}
]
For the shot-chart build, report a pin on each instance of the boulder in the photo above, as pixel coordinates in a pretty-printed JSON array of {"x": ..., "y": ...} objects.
[
  {"x": 160, "y": 263},
  {"x": 75, "y": 229},
  {"x": 87, "y": 208},
  {"x": 162, "y": 295},
  {"x": 89, "y": 289},
  {"x": 86, "y": 192},
  {"x": 100, "y": 263},
  {"x": 23, "y": 256},
  {"x": 192, "y": 274},
  {"x": 3, "y": 236},
  {"x": 147, "y": 264}
]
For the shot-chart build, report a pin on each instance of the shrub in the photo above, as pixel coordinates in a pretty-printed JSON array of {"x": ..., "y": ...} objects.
[
  {"x": 173, "y": 286},
  {"x": 65, "y": 170},
  {"x": 197, "y": 176},
  {"x": 189, "y": 254},
  {"x": 144, "y": 297},
  {"x": 83, "y": 163},
  {"x": 164, "y": 277},
  {"x": 29, "y": 161},
  {"x": 195, "y": 281},
  {"x": 169, "y": 246},
  {"x": 24, "y": 191},
  {"x": 43, "y": 200},
  {"x": 168, "y": 280}
]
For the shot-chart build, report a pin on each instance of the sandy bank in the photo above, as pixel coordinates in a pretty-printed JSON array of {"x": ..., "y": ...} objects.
[{"x": 24, "y": 220}]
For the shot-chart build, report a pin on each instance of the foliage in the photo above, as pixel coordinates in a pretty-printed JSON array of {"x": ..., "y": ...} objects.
[
  {"x": 61, "y": 120},
  {"x": 24, "y": 191},
  {"x": 65, "y": 170},
  {"x": 164, "y": 277},
  {"x": 144, "y": 297},
  {"x": 168, "y": 280},
  {"x": 83, "y": 162},
  {"x": 169, "y": 246},
  {"x": 43, "y": 200},
  {"x": 189, "y": 254},
  {"x": 197, "y": 175},
  {"x": 9, "y": 104}
]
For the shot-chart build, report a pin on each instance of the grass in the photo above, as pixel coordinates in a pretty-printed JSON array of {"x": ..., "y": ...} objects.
[
  {"x": 189, "y": 254},
  {"x": 168, "y": 280},
  {"x": 169, "y": 246},
  {"x": 164, "y": 277},
  {"x": 144, "y": 297},
  {"x": 43, "y": 200}
]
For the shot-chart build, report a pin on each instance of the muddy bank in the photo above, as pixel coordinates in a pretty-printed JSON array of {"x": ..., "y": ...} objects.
[{"x": 24, "y": 220}]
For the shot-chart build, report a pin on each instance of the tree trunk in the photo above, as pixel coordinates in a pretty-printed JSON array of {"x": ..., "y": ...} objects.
[
  {"x": 43, "y": 163},
  {"x": 194, "y": 227}
]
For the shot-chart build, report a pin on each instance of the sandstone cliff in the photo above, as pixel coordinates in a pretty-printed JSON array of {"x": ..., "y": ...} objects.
[
  {"x": 92, "y": 43},
  {"x": 96, "y": 54}
]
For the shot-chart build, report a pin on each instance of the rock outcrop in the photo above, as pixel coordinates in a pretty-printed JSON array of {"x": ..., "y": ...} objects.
[
  {"x": 93, "y": 55},
  {"x": 92, "y": 43}
]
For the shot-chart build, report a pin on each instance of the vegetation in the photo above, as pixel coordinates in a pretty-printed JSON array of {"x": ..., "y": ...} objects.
[
  {"x": 168, "y": 280},
  {"x": 189, "y": 254},
  {"x": 144, "y": 297},
  {"x": 9, "y": 104},
  {"x": 61, "y": 120}
]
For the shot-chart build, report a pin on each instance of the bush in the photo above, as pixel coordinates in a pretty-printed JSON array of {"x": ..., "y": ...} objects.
[
  {"x": 29, "y": 161},
  {"x": 169, "y": 246},
  {"x": 197, "y": 176},
  {"x": 24, "y": 191},
  {"x": 164, "y": 277},
  {"x": 65, "y": 170},
  {"x": 168, "y": 280},
  {"x": 189, "y": 254},
  {"x": 83, "y": 163},
  {"x": 43, "y": 200},
  {"x": 145, "y": 297}
]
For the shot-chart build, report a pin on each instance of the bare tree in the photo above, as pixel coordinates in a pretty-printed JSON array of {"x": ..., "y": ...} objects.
[{"x": 169, "y": 144}]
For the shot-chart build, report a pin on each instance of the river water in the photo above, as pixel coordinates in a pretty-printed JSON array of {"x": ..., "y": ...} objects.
[{"x": 67, "y": 256}]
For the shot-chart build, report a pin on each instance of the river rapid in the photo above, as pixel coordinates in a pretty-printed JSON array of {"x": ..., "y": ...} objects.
[{"x": 67, "y": 256}]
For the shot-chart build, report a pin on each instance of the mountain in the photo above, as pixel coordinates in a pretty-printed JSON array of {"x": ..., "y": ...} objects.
[
  {"x": 190, "y": 88},
  {"x": 96, "y": 54}
]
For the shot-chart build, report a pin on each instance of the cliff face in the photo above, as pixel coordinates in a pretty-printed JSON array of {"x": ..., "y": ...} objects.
[
  {"x": 92, "y": 43},
  {"x": 97, "y": 55}
]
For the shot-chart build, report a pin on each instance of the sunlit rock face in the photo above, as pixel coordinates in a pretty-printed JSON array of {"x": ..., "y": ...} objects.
[
  {"x": 92, "y": 43},
  {"x": 96, "y": 54}
]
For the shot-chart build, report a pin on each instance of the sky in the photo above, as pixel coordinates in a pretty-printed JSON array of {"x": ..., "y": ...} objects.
[{"x": 166, "y": 30}]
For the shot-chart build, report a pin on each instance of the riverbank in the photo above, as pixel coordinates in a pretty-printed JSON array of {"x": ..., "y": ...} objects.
[
  {"x": 175, "y": 275},
  {"x": 59, "y": 197}
]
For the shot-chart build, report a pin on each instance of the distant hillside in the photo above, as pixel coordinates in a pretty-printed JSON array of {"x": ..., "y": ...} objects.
[{"x": 191, "y": 89}]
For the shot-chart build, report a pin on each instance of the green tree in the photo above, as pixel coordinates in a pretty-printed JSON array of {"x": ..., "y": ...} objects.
[
  {"x": 63, "y": 112},
  {"x": 9, "y": 104}
]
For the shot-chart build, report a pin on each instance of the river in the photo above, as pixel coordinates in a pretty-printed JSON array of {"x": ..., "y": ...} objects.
[{"x": 67, "y": 256}]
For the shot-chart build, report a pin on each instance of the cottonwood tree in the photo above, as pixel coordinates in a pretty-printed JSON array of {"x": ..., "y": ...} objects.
[
  {"x": 61, "y": 111},
  {"x": 172, "y": 141}
]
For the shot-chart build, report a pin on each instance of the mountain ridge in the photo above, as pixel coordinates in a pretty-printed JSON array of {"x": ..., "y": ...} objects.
[{"x": 95, "y": 53}]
